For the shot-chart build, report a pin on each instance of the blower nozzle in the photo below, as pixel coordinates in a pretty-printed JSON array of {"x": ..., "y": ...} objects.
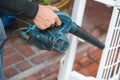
[{"x": 81, "y": 33}]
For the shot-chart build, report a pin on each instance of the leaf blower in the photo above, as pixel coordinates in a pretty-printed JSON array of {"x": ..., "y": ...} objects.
[{"x": 54, "y": 38}]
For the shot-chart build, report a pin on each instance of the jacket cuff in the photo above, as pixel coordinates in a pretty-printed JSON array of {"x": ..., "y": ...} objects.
[{"x": 31, "y": 10}]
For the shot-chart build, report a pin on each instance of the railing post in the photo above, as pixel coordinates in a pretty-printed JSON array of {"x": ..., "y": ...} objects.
[{"x": 67, "y": 64}]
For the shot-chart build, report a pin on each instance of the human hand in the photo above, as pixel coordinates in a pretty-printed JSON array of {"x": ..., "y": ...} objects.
[{"x": 46, "y": 17}]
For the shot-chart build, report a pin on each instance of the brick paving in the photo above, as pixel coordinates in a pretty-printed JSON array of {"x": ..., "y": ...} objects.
[{"x": 23, "y": 61}]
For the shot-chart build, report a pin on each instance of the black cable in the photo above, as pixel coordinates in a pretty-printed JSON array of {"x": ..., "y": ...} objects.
[{"x": 11, "y": 35}]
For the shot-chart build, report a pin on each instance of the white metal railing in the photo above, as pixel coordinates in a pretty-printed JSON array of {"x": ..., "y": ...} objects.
[
  {"x": 107, "y": 2},
  {"x": 110, "y": 60}
]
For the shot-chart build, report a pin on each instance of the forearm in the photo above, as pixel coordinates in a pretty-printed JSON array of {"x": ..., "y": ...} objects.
[
  {"x": 24, "y": 7},
  {"x": 43, "y": 16}
]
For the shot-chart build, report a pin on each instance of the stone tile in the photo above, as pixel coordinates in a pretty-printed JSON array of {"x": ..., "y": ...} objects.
[
  {"x": 12, "y": 59},
  {"x": 24, "y": 65},
  {"x": 10, "y": 72},
  {"x": 40, "y": 58},
  {"x": 24, "y": 49},
  {"x": 89, "y": 70}
]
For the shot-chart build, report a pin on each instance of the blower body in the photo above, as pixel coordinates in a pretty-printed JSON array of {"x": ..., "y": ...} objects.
[{"x": 54, "y": 38}]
